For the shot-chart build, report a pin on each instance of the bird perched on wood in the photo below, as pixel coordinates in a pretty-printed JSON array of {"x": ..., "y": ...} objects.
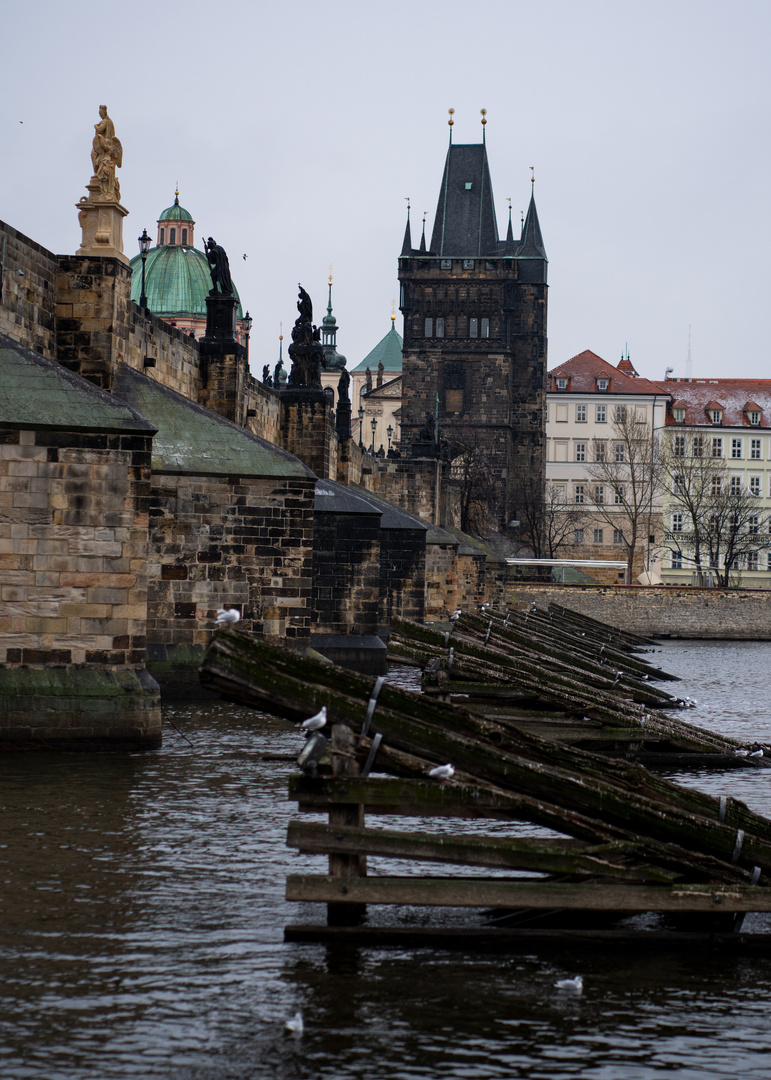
[
  {"x": 756, "y": 753},
  {"x": 228, "y": 616},
  {"x": 442, "y": 772},
  {"x": 576, "y": 984},
  {"x": 741, "y": 752},
  {"x": 294, "y": 1024},
  {"x": 313, "y": 723}
]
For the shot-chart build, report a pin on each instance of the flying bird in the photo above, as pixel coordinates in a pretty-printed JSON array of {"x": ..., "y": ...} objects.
[
  {"x": 294, "y": 1024},
  {"x": 442, "y": 772},
  {"x": 575, "y": 985},
  {"x": 227, "y": 616},
  {"x": 313, "y": 723},
  {"x": 245, "y": 256}
]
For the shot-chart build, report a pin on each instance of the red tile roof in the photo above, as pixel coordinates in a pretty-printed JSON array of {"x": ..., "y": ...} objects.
[
  {"x": 734, "y": 396},
  {"x": 583, "y": 370}
]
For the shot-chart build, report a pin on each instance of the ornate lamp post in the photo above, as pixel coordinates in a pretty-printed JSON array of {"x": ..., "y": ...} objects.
[
  {"x": 144, "y": 247},
  {"x": 247, "y": 322},
  {"x": 389, "y": 433},
  {"x": 361, "y": 421},
  {"x": 374, "y": 429}
]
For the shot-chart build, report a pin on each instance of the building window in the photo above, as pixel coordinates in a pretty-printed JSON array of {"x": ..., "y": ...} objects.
[
  {"x": 485, "y": 328},
  {"x": 676, "y": 562},
  {"x": 598, "y": 536},
  {"x": 677, "y": 522},
  {"x": 753, "y": 524},
  {"x": 580, "y": 414},
  {"x": 618, "y": 495},
  {"x": 468, "y": 264},
  {"x": 678, "y": 484},
  {"x": 440, "y": 327},
  {"x": 163, "y": 236},
  {"x": 618, "y": 536},
  {"x": 716, "y": 485},
  {"x": 620, "y": 414},
  {"x": 754, "y": 418},
  {"x": 768, "y": 560},
  {"x": 558, "y": 494},
  {"x": 716, "y": 416},
  {"x": 184, "y": 237},
  {"x": 473, "y": 328},
  {"x": 679, "y": 416},
  {"x": 717, "y": 447},
  {"x": 602, "y": 384},
  {"x": 580, "y": 451},
  {"x": 736, "y": 485},
  {"x": 752, "y": 560},
  {"x": 600, "y": 450},
  {"x": 698, "y": 446},
  {"x": 578, "y": 493},
  {"x": 428, "y": 329},
  {"x": 599, "y": 493},
  {"x": 755, "y": 449},
  {"x": 678, "y": 446},
  {"x": 562, "y": 384},
  {"x": 172, "y": 236},
  {"x": 737, "y": 448},
  {"x": 755, "y": 486},
  {"x": 618, "y": 453},
  {"x": 446, "y": 264},
  {"x": 578, "y": 536},
  {"x": 601, "y": 416}
]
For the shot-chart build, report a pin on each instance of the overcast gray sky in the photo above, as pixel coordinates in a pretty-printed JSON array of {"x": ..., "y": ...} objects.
[{"x": 296, "y": 131}]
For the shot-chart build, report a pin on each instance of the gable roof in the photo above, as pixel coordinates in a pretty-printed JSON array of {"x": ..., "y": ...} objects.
[
  {"x": 583, "y": 370},
  {"x": 735, "y": 397},
  {"x": 388, "y": 351},
  {"x": 464, "y": 224}
]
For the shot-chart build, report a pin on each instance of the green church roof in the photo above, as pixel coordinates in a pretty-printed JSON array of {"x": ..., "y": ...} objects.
[
  {"x": 388, "y": 351},
  {"x": 177, "y": 281},
  {"x": 176, "y": 212}
]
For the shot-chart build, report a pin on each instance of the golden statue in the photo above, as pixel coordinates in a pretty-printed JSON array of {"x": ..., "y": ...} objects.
[{"x": 106, "y": 155}]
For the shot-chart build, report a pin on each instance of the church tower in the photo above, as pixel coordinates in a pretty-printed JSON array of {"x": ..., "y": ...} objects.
[{"x": 474, "y": 306}]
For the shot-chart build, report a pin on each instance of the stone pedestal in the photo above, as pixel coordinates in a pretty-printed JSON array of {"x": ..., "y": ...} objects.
[
  {"x": 221, "y": 311},
  {"x": 102, "y": 223}
]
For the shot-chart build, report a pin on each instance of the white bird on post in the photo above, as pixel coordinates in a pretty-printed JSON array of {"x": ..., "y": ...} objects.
[
  {"x": 294, "y": 1024},
  {"x": 442, "y": 772},
  {"x": 575, "y": 985},
  {"x": 228, "y": 616},
  {"x": 313, "y": 723}
]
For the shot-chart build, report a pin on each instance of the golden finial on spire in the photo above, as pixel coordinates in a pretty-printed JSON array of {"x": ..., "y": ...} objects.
[
  {"x": 451, "y": 121},
  {"x": 484, "y": 116},
  {"x": 509, "y": 202},
  {"x": 393, "y": 311},
  {"x": 408, "y": 201},
  {"x": 330, "y": 273},
  {"x": 532, "y": 174},
  {"x": 280, "y": 331}
]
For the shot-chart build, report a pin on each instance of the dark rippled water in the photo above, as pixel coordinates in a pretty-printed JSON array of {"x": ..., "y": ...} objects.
[{"x": 143, "y": 911}]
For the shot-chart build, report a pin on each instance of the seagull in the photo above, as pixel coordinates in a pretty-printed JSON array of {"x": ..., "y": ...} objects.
[
  {"x": 576, "y": 985},
  {"x": 756, "y": 753},
  {"x": 228, "y": 615},
  {"x": 294, "y": 1024},
  {"x": 313, "y": 723},
  {"x": 442, "y": 772},
  {"x": 741, "y": 752}
]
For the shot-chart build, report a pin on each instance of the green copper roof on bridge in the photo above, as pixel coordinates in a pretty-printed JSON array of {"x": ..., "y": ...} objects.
[
  {"x": 176, "y": 212},
  {"x": 388, "y": 351},
  {"x": 177, "y": 281}
]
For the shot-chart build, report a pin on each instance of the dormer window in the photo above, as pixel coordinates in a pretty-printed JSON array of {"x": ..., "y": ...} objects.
[
  {"x": 562, "y": 384},
  {"x": 602, "y": 384},
  {"x": 716, "y": 416},
  {"x": 679, "y": 415},
  {"x": 754, "y": 417}
]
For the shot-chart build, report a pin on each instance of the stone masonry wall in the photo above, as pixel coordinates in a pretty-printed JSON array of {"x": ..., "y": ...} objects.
[
  {"x": 661, "y": 611},
  {"x": 441, "y": 581},
  {"x": 27, "y": 303},
  {"x": 346, "y": 573}
]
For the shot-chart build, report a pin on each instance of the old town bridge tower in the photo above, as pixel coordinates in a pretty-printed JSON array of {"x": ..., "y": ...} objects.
[{"x": 474, "y": 313}]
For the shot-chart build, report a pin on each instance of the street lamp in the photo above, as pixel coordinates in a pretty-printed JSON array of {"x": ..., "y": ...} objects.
[
  {"x": 361, "y": 421},
  {"x": 389, "y": 433},
  {"x": 374, "y": 429},
  {"x": 247, "y": 322},
  {"x": 144, "y": 247}
]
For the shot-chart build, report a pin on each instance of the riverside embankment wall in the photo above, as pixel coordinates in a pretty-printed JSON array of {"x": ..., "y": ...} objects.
[{"x": 661, "y": 611}]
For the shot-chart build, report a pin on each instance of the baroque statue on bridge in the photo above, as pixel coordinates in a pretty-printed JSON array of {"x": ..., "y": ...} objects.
[{"x": 106, "y": 156}]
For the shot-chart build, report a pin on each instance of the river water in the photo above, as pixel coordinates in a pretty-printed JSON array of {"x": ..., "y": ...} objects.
[{"x": 143, "y": 912}]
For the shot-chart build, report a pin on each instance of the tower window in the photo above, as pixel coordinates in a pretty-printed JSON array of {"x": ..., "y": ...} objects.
[
  {"x": 446, "y": 264},
  {"x": 468, "y": 185},
  {"x": 473, "y": 328},
  {"x": 428, "y": 330},
  {"x": 184, "y": 237},
  {"x": 485, "y": 327},
  {"x": 440, "y": 327},
  {"x": 163, "y": 236},
  {"x": 468, "y": 264},
  {"x": 172, "y": 236}
]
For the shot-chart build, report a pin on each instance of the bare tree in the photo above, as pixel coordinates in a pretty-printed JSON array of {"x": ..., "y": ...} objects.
[
  {"x": 714, "y": 515},
  {"x": 473, "y": 485},
  {"x": 547, "y": 522},
  {"x": 626, "y": 480}
]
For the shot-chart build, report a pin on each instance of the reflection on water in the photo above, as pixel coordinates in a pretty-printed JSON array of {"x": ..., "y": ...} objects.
[{"x": 143, "y": 909}]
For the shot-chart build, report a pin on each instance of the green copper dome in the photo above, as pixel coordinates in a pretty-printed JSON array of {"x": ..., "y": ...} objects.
[
  {"x": 176, "y": 212},
  {"x": 177, "y": 281},
  {"x": 387, "y": 352}
]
